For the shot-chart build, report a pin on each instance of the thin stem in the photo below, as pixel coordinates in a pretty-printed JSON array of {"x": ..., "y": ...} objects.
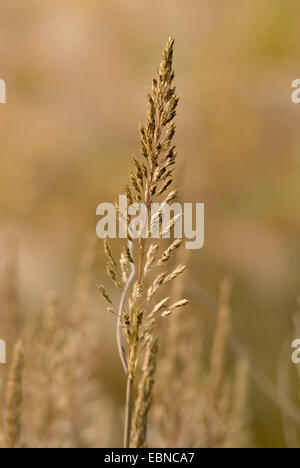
[
  {"x": 128, "y": 412},
  {"x": 121, "y": 307}
]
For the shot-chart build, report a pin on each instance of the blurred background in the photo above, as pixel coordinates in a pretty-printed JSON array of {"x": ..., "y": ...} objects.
[{"x": 77, "y": 74}]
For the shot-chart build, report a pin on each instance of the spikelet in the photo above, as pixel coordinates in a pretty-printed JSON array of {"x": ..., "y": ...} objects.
[
  {"x": 112, "y": 274},
  {"x": 104, "y": 294},
  {"x": 139, "y": 173},
  {"x": 108, "y": 253},
  {"x": 110, "y": 310},
  {"x": 13, "y": 403},
  {"x": 151, "y": 255},
  {"x": 129, "y": 195},
  {"x": 171, "y": 197},
  {"x": 168, "y": 253},
  {"x": 165, "y": 187},
  {"x": 128, "y": 254},
  {"x": 175, "y": 306},
  {"x": 161, "y": 305},
  {"x": 159, "y": 281},
  {"x": 177, "y": 272}
]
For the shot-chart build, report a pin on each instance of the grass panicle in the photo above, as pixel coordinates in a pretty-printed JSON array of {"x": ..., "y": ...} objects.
[{"x": 150, "y": 179}]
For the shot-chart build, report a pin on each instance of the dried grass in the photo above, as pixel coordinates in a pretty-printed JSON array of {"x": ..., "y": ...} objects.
[
  {"x": 198, "y": 406},
  {"x": 151, "y": 178},
  {"x": 175, "y": 396}
]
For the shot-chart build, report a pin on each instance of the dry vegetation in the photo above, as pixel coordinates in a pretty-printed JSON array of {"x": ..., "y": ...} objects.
[
  {"x": 183, "y": 388},
  {"x": 53, "y": 397}
]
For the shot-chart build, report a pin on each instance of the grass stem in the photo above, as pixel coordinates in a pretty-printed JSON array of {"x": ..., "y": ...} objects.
[{"x": 128, "y": 412}]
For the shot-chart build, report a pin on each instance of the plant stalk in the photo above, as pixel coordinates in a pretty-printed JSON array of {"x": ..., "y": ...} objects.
[{"x": 128, "y": 412}]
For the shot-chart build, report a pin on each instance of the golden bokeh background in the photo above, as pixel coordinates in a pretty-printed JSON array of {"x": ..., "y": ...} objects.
[{"x": 77, "y": 74}]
